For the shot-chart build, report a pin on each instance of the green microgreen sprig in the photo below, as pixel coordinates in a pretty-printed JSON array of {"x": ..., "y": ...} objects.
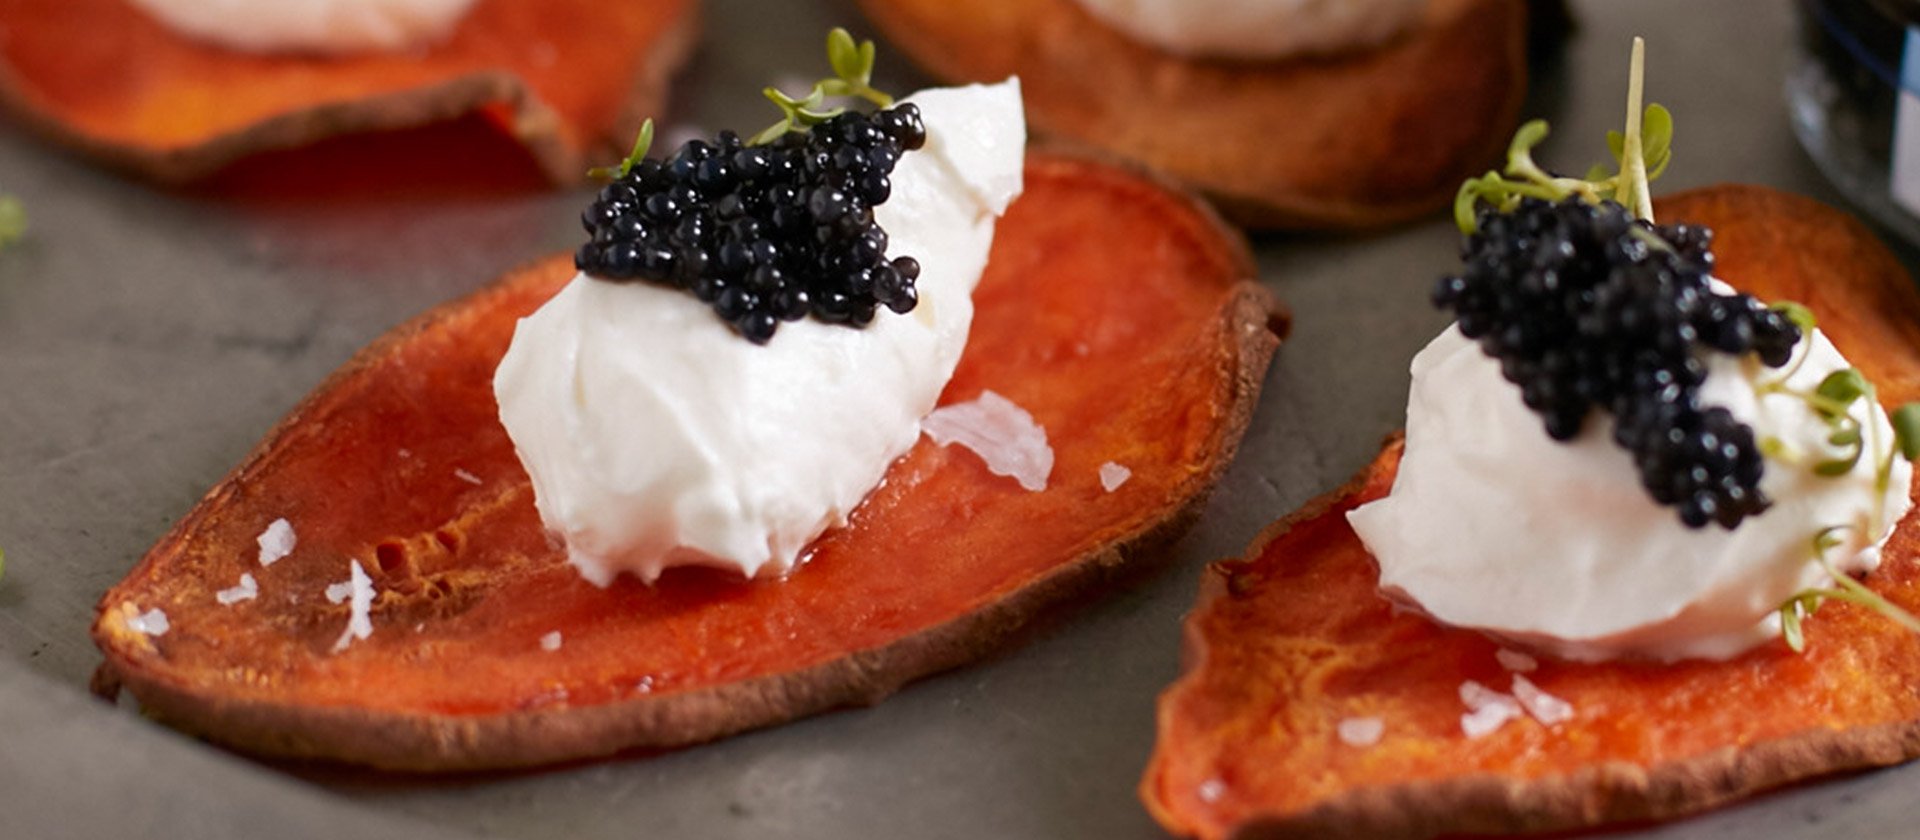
[
  {"x": 13, "y": 220},
  {"x": 852, "y": 65},
  {"x": 1845, "y": 588},
  {"x": 641, "y": 145},
  {"x": 1832, "y": 400},
  {"x": 1641, "y": 154}
]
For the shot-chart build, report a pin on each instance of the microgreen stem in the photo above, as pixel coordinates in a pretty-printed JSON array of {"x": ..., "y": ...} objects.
[
  {"x": 641, "y": 144},
  {"x": 1859, "y": 593},
  {"x": 852, "y": 65},
  {"x": 1642, "y": 153},
  {"x": 852, "y": 78},
  {"x": 1633, "y": 160}
]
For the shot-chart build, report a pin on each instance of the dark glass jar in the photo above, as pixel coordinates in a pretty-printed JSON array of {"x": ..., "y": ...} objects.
[{"x": 1844, "y": 94}]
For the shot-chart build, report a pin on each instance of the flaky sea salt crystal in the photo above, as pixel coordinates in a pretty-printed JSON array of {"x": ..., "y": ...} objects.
[
  {"x": 1113, "y": 475},
  {"x": 1488, "y": 709},
  {"x": 1361, "y": 731},
  {"x": 276, "y": 542},
  {"x": 1544, "y": 707},
  {"x": 1514, "y": 660},
  {"x": 360, "y": 623},
  {"x": 1001, "y": 433},
  {"x": 467, "y": 477},
  {"x": 1211, "y": 790},
  {"x": 1478, "y": 696},
  {"x": 337, "y": 592},
  {"x": 153, "y": 622},
  {"x": 551, "y": 641},
  {"x": 1479, "y": 724},
  {"x": 246, "y": 590}
]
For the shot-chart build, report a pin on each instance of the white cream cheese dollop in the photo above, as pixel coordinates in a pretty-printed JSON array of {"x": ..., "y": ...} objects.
[
  {"x": 656, "y": 436},
  {"x": 1493, "y": 525},
  {"x": 1257, "y": 29},
  {"x": 313, "y": 26}
]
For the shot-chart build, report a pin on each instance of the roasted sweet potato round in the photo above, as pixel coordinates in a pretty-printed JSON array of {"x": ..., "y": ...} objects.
[
  {"x": 568, "y": 79},
  {"x": 1358, "y": 140},
  {"x": 1293, "y": 638},
  {"x": 1119, "y": 313}
]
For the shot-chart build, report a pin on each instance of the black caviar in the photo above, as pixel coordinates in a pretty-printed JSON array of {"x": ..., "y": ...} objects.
[
  {"x": 1586, "y": 307},
  {"x": 768, "y": 233}
]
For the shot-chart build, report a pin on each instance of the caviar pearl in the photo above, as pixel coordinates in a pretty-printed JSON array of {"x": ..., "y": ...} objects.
[
  {"x": 767, "y": 233},
  {"x": 1587, "y": 308}
]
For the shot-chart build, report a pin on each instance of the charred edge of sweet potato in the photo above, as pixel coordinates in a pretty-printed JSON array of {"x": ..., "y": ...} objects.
[
  {"x": 1614, "y": 792},
  {"x": 1263, "y": 206},
  {"x": 1249, "y": 327},
  {"x": 1610, "y": 793},
  {"x": 532, "y": 124}
]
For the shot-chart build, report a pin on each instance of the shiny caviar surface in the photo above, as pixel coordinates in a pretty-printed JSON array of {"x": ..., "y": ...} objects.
[
  {"x": 765, "y": 234},
  {"x": 1586, "y": 307}
]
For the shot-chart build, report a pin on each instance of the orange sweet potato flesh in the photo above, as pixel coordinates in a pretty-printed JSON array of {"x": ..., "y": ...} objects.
[
  {"x": 1357, "y": 140},
  {"x": 1293, "y": 638},
  {"x": 1121, "y": 314},
  {"x": 568, "y": 79}
]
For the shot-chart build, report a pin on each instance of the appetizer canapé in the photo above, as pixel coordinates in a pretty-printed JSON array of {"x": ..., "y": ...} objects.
[
  {"x": 1608, "y": 574},
  {"x": 417, "y": 614}
]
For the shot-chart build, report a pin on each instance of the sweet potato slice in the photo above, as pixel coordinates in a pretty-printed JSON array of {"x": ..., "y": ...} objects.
[
  {"x": 1119, "y": 313},
  {"x": 568, "y": 79},
  {"x": 1360, "y": 140},
  {"x": 1293, "y": 638}
]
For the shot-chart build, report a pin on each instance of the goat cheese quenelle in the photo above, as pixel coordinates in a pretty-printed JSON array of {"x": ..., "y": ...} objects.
[
  {"x": 1611, "y": 453},
  {"x": 315, "y": 26},
  {"x": 1257, "y": 29},
  {"x": 759, "y": 327}
]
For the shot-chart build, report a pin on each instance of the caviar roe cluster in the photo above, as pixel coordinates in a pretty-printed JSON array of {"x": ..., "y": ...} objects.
[
  {"x": 1587, "y": 307},
  {"x": 769, "y": 233}
]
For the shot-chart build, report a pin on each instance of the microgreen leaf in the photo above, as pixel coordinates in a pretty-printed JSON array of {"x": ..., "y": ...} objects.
[
  {"x": 1656, "y": 137},
  {"x": 869, "y": 56},
  {"x": 1827, "y": 538},
  {"x": 1656, "y": 169},
  {"x": 1801, "y": 316},
  {"x": 1906, "y": 430},
  {"x": 640, "y": 146},
  {"x": 13, "y": 220},
  {"x": 1617, "y": 144},
  {"x": 852, "y": 64},
  {"x": 1845, "y": 436},
  {"x": 1843, "y": 386},
  {"x": 843, "y": 54},
  {"x": 1838, "y": 466}
]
